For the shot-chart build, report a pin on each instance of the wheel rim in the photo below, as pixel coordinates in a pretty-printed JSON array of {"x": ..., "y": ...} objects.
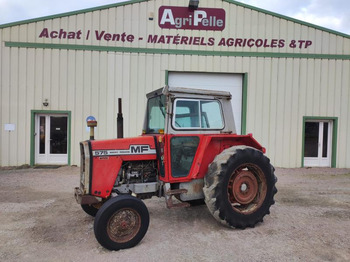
[
  {"x": 247, "y": 188},
  {"x": 124, "y": 225}
]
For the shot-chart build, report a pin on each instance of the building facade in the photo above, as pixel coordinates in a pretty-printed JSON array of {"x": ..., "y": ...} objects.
[{"x": 290, "y": 80}]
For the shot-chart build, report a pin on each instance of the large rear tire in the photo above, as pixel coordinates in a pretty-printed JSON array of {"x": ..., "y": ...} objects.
[
  {"x": 240, "y": 186},
  {"x": 121, "y": 222}
]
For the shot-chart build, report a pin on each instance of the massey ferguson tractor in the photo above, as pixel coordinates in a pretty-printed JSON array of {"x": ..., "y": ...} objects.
[{"x": 188, "y": 152}]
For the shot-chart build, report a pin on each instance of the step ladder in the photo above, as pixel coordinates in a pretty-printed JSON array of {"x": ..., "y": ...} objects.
[{"x": 169, "y": 193}]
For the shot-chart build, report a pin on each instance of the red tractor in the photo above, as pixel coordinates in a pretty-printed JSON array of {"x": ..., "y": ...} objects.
[{"x": 188, "y": 150}]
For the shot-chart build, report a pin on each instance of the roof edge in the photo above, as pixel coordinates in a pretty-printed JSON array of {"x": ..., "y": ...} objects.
[
  {"x": 39, "y": 19},
  {"x": 77, "y": 12},
  {"x": 202, "y": 92},
  {"x": 288, "y": 18}
]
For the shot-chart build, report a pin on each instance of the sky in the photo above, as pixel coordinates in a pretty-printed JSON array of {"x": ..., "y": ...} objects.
[{"x": 332, "y": 14}]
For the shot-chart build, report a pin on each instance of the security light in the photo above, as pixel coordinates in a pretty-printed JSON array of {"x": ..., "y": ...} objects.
[
  {"x": 46, "y": 102},
  {"x": 193, "y": 4}
]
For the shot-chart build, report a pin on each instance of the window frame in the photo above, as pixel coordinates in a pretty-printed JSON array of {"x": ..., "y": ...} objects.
[
  {"x": 200, "y": 128},
  {"x": 147, "y": 128}
]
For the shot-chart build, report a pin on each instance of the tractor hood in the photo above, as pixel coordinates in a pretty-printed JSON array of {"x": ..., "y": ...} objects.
[{"x": 107, "y": 157}]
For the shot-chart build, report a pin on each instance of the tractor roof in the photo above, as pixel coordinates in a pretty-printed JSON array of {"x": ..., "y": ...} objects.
[{"x": 180, "y": 91}]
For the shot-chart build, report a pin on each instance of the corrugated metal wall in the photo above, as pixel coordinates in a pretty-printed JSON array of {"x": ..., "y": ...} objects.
[{"x": 280, "y": 90}]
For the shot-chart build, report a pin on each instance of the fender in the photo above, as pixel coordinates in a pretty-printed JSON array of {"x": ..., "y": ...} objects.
[{"x": 209, "y": 147}]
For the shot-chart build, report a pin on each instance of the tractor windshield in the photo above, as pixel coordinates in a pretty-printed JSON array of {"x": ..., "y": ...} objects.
[{"x": 156, "y": 110}]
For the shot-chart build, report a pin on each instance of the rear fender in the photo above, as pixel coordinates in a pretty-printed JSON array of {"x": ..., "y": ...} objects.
[{"x": 209, "y": 147}]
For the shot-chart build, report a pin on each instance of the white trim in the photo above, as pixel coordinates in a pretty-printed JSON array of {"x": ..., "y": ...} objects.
[{"x": 133, "y": 150}]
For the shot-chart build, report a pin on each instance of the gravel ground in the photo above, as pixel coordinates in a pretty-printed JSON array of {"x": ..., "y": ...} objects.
[{"x": 40, "y": 221}]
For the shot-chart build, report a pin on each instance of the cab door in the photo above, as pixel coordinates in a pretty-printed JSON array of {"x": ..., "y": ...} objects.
[
  {"x": 190, "y": 118},
  {"x": 182, "y": 153}
]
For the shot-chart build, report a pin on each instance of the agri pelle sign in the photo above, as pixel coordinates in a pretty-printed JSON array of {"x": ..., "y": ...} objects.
[
  {"x": 173, "y": 17},
  {"x": 180, "y": 18}
]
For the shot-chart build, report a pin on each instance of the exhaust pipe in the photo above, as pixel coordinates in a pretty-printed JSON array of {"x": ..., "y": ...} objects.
[{"x": 120, "y": 121}]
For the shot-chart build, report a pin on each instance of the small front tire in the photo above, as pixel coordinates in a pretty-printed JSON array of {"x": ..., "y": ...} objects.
[
  {"x": 90, "y": 210},
  {"x": 121, "y": 222}
]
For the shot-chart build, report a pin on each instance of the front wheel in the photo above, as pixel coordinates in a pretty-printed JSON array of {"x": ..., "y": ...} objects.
[
  {"x": 121, "y": 222},
  {"x": 239, "y": 187},
  {"x": 90, "y": 209}
]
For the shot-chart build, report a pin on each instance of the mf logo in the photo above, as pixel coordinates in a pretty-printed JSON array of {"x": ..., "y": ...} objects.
[{"x": 139, "y": 149}]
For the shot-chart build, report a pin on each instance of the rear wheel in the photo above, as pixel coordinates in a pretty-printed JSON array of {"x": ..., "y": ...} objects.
[
  {"x": 121, "y": 222},
  {"x": 239, "y": 187}
]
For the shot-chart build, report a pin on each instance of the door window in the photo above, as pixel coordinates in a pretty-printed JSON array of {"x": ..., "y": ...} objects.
[
  {"x": 197, "y": 114},
  {"x": 42, "y": 132},
  {"x": 187, "y": 114},
  {"x": 211, "y": 115},
  {"x": 58, "y": 135},
  {"x": 156, "y": 110},
  {"x": 311, "y": 139},
  {"x": 325, "y": 140},
  {"x": 183, "y": 149}
]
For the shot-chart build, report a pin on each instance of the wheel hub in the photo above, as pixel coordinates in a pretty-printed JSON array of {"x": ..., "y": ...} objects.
[
  {"x": 124, "y": 225},
  {"x": 245, "y": 187}
]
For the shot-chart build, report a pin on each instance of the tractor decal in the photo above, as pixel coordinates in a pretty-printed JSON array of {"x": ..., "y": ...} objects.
[{"x": 133, "y": 150}]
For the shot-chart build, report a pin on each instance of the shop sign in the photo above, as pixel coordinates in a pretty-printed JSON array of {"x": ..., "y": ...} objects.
[
  {"x": 174, "y": 17},
  {"x": 174, "y": 39}
]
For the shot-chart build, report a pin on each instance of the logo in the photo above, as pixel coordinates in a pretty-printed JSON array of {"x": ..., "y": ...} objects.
[
  {"x": 139, "y": 149},
  {"x": 171, "y": 17}
]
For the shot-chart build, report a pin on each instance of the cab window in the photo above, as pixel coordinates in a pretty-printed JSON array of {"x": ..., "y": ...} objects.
[
  {"x": 197, "y": 114},
  {"x": 156, "y": 108}
]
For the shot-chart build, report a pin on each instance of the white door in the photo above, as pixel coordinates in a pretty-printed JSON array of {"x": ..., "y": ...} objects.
[
  {"x": 214, "y": 81},
  {"x": 51, "y": 139},
  {"x": 318, "y": 143}
]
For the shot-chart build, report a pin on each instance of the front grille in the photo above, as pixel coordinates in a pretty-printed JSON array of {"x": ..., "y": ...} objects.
[{"x": 84, "y": 167}]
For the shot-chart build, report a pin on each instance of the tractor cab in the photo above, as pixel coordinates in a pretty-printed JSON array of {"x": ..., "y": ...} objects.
[
  {"x": 191, "y": 126},
  {"x": 176, "y": 110}
]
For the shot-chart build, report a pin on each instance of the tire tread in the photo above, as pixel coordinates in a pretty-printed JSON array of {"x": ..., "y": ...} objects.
[{"x": 213, "y": 186}]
